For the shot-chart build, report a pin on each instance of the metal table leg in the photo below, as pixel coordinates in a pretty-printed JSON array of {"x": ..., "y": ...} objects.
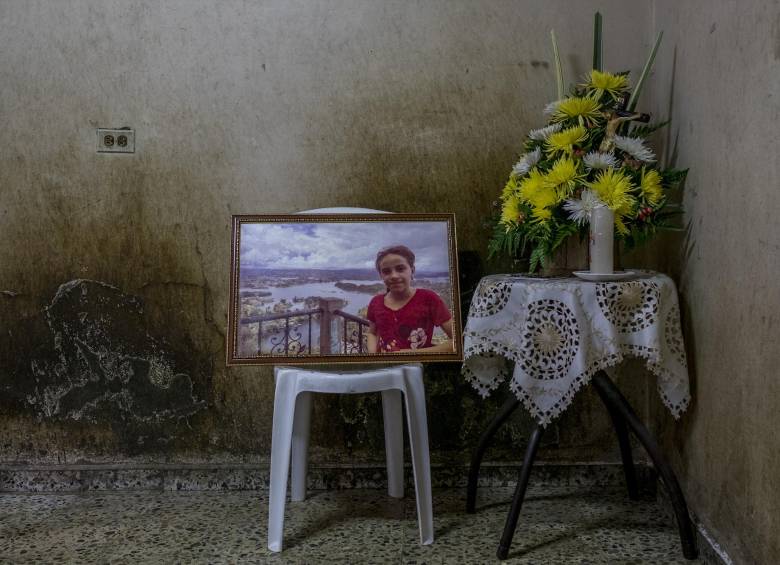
[
  {"x": 613, "y": 397},
  {"x": 506, "y": 410},
  {"x": 522, "y": 485},
  {"x": 621, "y": 429},
  {"x": 624, "y": 420}
]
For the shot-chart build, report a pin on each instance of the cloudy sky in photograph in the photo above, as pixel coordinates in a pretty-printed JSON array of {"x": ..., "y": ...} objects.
[{"x": 352, "y": 245}]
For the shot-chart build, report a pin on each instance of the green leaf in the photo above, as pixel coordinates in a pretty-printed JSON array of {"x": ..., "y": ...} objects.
[
  {"x": 563, "y": 232},
  {"x": 558, "y": 66},
  {"x": 645, "y": 131},
  {"x": 673, "y": 176},
  {"x": 537, "y": 258},
  {"x": 645, "y": 71},
  {"x": 597, "y": 53}
]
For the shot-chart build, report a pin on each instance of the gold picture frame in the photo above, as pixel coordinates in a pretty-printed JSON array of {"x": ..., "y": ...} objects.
[{"x": 306, "y": 289}]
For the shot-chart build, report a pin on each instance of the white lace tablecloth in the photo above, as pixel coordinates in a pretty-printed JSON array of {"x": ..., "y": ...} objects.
[{"x": 560, "y": 332}]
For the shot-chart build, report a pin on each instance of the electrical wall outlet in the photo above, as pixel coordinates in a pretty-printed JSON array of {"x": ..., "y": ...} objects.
[{"x": 115, "y": 140}]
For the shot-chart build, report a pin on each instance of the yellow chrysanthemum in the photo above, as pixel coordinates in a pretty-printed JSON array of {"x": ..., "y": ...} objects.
[
  {"x": 544, "y": 198},
  {"x": 651, "y": 186},
  {"x": 563, "y": 177},
  {"x": 614, "y": 189},
  {"x": 600, "y": 82},
  {"x": 534, "y": 191},
  {"x": 511, "y": 212},
  {"x": 565, "y": 140},
  {"x": 510, "y": 188},
  {"x": 587, "y": 110},
  {"x": 531, "y": 185},
  {"x": 541, "y": 214}
]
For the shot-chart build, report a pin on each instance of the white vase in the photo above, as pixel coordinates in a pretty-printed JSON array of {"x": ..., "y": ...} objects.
[{"x": 602, "y": 240}]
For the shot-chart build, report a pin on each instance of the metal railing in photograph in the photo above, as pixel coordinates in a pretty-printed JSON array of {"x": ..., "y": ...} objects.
[
  {"x": 285, "y": 337},
  {"x": 354, "y": 341}
]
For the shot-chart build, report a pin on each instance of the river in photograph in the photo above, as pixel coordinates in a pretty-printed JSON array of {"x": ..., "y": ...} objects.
[{"x": 355, "y": 300}]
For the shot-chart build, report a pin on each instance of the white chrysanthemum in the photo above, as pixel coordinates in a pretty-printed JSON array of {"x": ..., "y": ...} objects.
[
  {"x": 598, "y": 160},
  {"x": 634, "y": 147},
  {"x": 551, "y": 107},
  {"x": 542, "y": 134},
  {"x": 579, "y": 210},
  {"x": 527, "y": 162}
]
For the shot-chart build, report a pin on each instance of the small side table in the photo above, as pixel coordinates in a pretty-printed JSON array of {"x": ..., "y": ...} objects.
[{"x": 562, "y": 334}]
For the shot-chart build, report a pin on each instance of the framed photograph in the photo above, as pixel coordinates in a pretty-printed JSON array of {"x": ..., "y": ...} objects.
[{"x": 343, "y": 288}]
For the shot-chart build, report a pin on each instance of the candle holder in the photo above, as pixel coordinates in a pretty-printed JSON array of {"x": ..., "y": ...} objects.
[
  {"x": 602, "y": 240},
  {"x": 602, "y": 248}
]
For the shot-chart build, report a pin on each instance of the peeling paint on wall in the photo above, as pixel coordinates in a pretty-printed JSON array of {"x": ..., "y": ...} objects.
[{"x": 102, "y": 364}]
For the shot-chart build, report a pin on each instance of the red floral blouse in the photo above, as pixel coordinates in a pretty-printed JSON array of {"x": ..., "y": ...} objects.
[{"x": 411, "y": 326}]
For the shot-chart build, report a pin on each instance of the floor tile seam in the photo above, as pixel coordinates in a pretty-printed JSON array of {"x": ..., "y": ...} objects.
[{"x": 264, "y": 466}]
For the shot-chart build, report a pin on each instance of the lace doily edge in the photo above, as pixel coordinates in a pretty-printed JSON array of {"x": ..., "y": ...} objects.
[{"x": 545, "y": 418}]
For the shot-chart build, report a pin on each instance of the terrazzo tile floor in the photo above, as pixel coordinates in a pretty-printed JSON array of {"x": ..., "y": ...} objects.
[{"x": 557, "y": 525}]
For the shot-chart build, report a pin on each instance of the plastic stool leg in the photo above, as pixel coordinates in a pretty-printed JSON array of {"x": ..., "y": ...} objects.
[
  {"x": 418, "y": 439},
  {"x": 300, "y": 446},
  {"x": 281, "y": 439},
  {"x": 394, "y": 442}
]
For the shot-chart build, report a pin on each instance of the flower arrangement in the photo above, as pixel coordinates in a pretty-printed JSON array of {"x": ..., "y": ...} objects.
[{"x": 590, "y": 153}]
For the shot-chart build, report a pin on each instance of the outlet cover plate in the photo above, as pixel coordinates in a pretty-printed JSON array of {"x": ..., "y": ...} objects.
[{"x": 115, "y": 140}]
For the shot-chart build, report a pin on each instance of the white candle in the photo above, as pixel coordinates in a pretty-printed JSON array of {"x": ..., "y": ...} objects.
[{"x": 602, "y": 226}]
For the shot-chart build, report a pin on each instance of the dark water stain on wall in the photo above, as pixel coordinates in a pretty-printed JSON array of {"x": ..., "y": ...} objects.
[
  {"x": 776, "y": 37},
  {"x": 89, "y": 358}
]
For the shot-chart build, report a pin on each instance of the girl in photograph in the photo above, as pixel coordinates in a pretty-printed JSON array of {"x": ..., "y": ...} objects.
[{"x": 403, "y": 318}]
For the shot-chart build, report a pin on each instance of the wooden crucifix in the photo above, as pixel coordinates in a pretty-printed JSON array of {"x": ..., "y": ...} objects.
[{"x": 617, "y": 117}]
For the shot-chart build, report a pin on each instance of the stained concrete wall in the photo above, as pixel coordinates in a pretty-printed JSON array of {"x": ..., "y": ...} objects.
[
  {"x": 114, "y": 268},
  {"x": 718, "y": 78}
]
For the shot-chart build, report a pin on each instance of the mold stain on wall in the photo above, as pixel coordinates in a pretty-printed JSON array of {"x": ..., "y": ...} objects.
[{"x": 89, "y": 358}]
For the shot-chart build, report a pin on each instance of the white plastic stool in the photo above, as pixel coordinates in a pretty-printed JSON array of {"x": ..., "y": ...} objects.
[{"x": 290, "y": 440}]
